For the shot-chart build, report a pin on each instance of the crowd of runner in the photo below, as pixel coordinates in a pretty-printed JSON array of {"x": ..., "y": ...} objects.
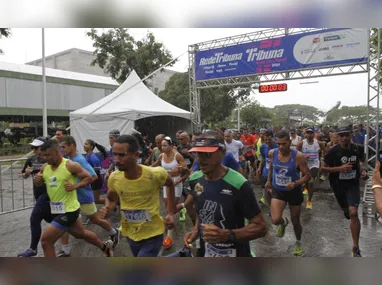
[{"x": 208, "y": 176}]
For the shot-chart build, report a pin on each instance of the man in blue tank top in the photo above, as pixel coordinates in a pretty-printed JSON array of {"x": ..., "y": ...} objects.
[{"x": 284, "y": 182}]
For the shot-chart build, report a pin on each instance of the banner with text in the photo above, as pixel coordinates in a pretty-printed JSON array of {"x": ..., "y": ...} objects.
[{"x": 302, "y": 51}]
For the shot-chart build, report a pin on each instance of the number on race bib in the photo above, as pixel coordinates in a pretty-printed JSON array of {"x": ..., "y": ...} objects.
[
  {"x": 348, "y": 176},
  {"x": 282, "y": 180},
  {"x": 137, "y": 216},
  {"x": 57, "y": 208},
  {"x": 212, "y": 251}
]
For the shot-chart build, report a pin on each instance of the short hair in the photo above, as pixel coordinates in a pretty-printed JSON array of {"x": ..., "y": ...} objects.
[
  {"x": 63, "y": 131},
  {"x": 69, "y": 140},
  {"x": 131, "y": 141},
  {"x": 268, "y": 134},
  {"x": 50, "y": 144},
  {"x": 283, "y": 135}
]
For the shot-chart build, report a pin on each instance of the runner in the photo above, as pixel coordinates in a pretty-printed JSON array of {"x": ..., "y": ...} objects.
[
  {"x": 295, "y": 139},
  {"x": 113, "y": 135},
  {"x": 41, "y": 210},
  {"x": 311, "y": 149},
  {"x": 285, "y": 183},
  {"x": 176, "y": 167},
  {"x": 262, "y": 171},
  {"x": 156, "y": 151},
  {"x": 137, "y": 187},
  {"x": 223, "y": 199},
  {"x": 233, "y": 146},
  {"x": 60, "y": 136},
  {"x": 59, "y": 175},
  {"x": 85, "y": 197},
  {"x": 345, "y": 165},
  {"x": 249, "y": 141}
]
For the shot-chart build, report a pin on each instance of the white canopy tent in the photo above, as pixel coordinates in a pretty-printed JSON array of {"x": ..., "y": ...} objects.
[{"x": 120, "y": 110}]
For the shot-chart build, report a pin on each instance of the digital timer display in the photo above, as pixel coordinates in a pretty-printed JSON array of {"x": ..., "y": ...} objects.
[{"x": 273, "y": 88}]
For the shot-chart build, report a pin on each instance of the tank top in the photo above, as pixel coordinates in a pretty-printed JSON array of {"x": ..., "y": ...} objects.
[
  {"x": 61, "y": 201},
  {"x": 284, "y": 172},
  {"x": 170, "y": 166},
  {"x": 258, "y": 145},
  {"x": 295, "y": 142},
  {"x": 312, "y": 151}
]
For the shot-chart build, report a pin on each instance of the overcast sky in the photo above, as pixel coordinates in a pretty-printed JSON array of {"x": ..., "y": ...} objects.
[{"x": 351, "y": 90}]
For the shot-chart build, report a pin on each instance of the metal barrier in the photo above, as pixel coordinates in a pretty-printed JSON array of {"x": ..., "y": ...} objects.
[{"x": 16, "y": 193}]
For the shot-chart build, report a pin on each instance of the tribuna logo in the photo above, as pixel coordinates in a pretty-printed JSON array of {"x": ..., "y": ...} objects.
[{"x": 253, "y": 54}]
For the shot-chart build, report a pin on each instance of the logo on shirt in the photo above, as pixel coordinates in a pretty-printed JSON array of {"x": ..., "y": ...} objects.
[
  {"x": 345, "y": 159},
  {"x": 198, "y": 189},
  {"x": 226, "y": 192}
]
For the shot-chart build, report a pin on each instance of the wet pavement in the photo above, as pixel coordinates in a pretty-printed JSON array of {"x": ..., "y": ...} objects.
[{"x": 326, "y": 233}]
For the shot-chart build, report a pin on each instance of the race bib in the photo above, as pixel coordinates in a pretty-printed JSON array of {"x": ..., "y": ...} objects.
[
  {"x": 212, "y": 251},
  {"x": 137, "y": 216},
  {"x": 267, "y": 164},
  {"x": 283, "y": 180},
  {"x": 57, "y": 208},
  {"x": 348, "y": 176}
]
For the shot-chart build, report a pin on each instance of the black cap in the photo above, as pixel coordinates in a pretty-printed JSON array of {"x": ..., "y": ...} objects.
[
  {"x": 344, "y": 129},
  {"x": 309, "y": 129}
]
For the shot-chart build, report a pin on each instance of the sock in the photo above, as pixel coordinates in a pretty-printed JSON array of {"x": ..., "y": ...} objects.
[
  {"x": 65, "y": 248},
  {"x": 169, "y": 233},
  {"x": 112, "y": 232}
]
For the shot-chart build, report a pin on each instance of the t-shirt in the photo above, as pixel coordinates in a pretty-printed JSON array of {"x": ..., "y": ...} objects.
[
  {"x": 85, "y": 195},
  {"x": 338, "y": 156},
  {"x": 140, "y": 203},
  {"x": 234, "y": 148},
  {"x": 94, "y": 160},
  {"x": 36, "y": 163},
  {"x": 228, "y": 160},
  {"x": 248, "y": 142},
  {"x": 225, "y": 203},
  {"x": 264, "y": 151}
]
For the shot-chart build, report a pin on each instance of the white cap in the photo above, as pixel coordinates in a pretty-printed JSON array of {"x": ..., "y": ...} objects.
[{"x": 37, "y": 143}]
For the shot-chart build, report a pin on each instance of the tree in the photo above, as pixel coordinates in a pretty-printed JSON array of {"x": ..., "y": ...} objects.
[
  {"x": 310, "y": 115},
  {"x": 253, "y": 113},
  {"x": 349, "y": 115},
  {"x": 216, "y": 103},
  {"x": 4, "y": 33},
  {"x": 119, "y": 53}
]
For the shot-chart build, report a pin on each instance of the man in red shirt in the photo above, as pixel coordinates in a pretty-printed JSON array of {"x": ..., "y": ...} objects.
[{"x": 249, "y": 140}]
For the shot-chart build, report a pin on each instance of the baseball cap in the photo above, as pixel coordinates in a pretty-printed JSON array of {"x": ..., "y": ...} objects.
[
  {"x": 37, "y": 142},
  {"x": 344, "y": 129},
  {"x": 207, "y": 145},
  {"x": 309, "y": 129},
  {"x": 114, "y": 133}
]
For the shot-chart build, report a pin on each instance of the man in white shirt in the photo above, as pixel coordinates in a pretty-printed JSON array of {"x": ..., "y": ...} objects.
[
  {"x": 233, "y": 146},
  {"x": 296, "y": 139}
]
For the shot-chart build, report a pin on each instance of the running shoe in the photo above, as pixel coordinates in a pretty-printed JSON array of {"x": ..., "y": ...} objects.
[
  {"x": 182, "y": 215},
  {"x": 298, "y": 251},
  {"x": 115, "y": 238},
  {"x": 28, "y": 253},
  {"x": 262, "y": 201},
  {"x": 167, "y": 243},
  {"x": 305, "y": 192},
  {"x": 356, "y": 252},
  {"x": 63, "y": 254},
  {"x": 309, "y": 205},
  {"x": 280, "y": 231},
  {"x": 107, "y": 251},
  {"x": 183, "y": 252}
]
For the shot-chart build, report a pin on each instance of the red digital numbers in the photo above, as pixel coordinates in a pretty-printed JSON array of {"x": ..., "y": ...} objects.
[{"x": 273, "y": 88}]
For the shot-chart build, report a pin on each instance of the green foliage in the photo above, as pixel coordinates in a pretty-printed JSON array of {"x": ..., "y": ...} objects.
[
  {"x": 119, "y": 53},
  {"x": 252, "y": 114},
  {"x": 349, "y": 115},
  {"x": 4, "y": 33},
  {"x": 309, "y": 114}
]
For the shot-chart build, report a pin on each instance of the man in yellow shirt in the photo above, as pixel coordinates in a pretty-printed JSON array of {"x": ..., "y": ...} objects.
[{"x": 137, "y": 188}]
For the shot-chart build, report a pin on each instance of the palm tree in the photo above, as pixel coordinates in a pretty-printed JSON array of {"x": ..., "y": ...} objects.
[{"x": 4, "y": 33}]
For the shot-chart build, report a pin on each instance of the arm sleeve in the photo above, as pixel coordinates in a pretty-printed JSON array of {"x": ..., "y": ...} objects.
[
  {"x": 28, "y": 163},
  {"x": 247, "y": 201}
]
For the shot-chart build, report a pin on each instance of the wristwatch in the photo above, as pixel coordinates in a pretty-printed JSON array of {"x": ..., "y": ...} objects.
[{"x": 231, "y": 236}]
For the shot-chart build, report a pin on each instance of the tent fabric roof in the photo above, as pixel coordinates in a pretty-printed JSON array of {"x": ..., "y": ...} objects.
[
  {"x": 56, "y": 73},
  {"x": 132, "y": 100}
]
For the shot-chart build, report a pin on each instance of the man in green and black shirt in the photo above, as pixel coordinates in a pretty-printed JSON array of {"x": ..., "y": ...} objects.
[{"x": 223, "y": 200}]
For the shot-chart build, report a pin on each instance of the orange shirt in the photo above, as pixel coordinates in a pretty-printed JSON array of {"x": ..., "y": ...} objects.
[{"x": 248, "y": 142}]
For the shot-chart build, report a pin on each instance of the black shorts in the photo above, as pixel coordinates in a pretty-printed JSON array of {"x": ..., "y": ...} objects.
[
  {"x": 314, "y": 172},
  {"x": 64, "y": 221},
  {"x": 292, "y": 197},
  {"x": 97, "y": 185},
  {"x": 347, "y": 195}
]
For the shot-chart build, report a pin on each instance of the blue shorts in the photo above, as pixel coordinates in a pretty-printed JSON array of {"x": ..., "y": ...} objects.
[{"x": 146, "y": 248}]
